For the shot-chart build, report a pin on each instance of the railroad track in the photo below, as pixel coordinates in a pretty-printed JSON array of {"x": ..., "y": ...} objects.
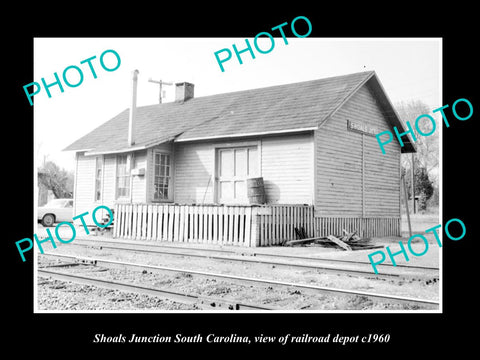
[
  {"x": 238, "y": 279},
  {"x": 235, "y": 256},
  {"x": 204, "y": 302}
]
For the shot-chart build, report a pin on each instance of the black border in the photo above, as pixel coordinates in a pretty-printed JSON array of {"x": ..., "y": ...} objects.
[{"x": 410, "y": 333}]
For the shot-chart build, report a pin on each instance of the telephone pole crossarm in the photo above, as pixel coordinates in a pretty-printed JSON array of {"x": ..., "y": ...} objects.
[{"x": 160, "y": 83}]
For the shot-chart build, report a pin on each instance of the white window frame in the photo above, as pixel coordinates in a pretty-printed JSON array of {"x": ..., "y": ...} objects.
[
  {"x": 170, "y": 175},
  {"x": 98, "y": 187},
  {"x": 128, "y": 169}
]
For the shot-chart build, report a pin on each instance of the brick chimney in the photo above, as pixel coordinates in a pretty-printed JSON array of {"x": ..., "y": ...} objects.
[{"x": 183, "y": 91}]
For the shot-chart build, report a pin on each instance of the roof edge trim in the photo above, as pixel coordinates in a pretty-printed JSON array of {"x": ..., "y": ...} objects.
[{"x": 249, "y": 134}]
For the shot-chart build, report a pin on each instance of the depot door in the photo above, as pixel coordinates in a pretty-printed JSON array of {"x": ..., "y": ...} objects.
[{"x": 234, "y": 166}]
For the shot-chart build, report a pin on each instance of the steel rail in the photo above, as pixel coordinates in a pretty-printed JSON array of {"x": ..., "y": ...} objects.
[
  {"x": 244, "y": 279},
  {"x": 257, "y": 261},
  {"x": 253, "y": 254},
  {"x": 205, "y": 302},
  {"x": 325, "y": 269}
]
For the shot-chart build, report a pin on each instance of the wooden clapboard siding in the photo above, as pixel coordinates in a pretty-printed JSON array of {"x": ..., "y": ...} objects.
[
  {"x": 338, "y": 170},
  {"x": 84, "y": 186},
  {"x": 285, "y": 163},
  {"x": 353, "y": 177},
  {"x": 287, "y": 169},
  {"x": 109, "y": 171},
  {"x": 194, "y": 166},
  {"x": 138, "y": 183},
  {"x": 382, "y": 185}
]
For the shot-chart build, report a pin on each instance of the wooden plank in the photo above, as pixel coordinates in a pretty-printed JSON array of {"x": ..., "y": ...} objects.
[
  {"x": 271, "y": 232},
  {"x": 254, "y": 230},
  {"x": 260, "y": 219},
  {"x": 220, "y": 224},
  {"x": 235, "y": 225},
  {"x": 128, "y": 221},
  {"x": 230, "y": 225},
  {"x": 241, "y": 234},
  {"x": 266, "y": 231},
  {"x": 154, "y": 221},
  {"x": 280, "y": 223},
  {"x": 139, "y": 221},
  {"x": 215, "y": 224},
  {"x": 210, "y": 224},
  {"x": 199, "y": 224},
  {"x": 195, "y": 223},
  {"x": 121, "y": 230},
  {"x": 171, "y": 216},
  {"x": 133, "y": 230},
  {"x": 120, "y": 217},
  {"x": 144, "y": 221},
  {"x": 248, "y": 226},
  {"x": 339, "y": 242},
  {"x": 301, "y": 241},
  {"x": 205, "y": 224},
  {"x": 162, "y": 222},
  {"x": 149, "y": 222},
  {"x": 179, "y": 225},
  {"x": 273, "y": 225},
  {"x": 186, "y": 223},
  {"x": 190, "y": 223},
  {"x": 288, "y": 220},
  {"x": 176, "y": 221},
  {"x": 225, "y": 225},
  {"x": 293, "y": 220}
]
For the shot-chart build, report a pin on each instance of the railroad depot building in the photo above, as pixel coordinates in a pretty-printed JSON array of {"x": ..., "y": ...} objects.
[{"x": 181, "y": 171}]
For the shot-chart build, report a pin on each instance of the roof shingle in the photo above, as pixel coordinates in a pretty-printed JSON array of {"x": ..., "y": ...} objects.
[{"x": 271, "y": 109}]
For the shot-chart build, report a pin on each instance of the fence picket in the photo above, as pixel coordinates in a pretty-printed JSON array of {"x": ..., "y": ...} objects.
[{"x": 238, "y": 225}]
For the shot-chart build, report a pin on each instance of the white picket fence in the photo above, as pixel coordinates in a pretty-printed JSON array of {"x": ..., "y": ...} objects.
[{"x": 241, "y": 225}]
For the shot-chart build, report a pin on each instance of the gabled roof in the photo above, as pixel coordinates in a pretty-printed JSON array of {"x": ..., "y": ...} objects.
[{"x": 276, "y": 109}]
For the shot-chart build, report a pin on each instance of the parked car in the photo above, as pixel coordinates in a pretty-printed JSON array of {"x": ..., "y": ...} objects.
[{"x": 56, "y": 210}]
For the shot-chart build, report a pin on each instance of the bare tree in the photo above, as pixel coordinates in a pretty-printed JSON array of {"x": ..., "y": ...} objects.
[{"x": 427, "y": 146}]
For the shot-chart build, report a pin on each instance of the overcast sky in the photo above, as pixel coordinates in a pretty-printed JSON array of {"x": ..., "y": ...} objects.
[{"x": 409, "y": 69}]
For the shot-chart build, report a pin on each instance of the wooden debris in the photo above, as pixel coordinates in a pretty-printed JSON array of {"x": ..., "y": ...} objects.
[
  {"x": 339, "y": 242},
  {"x": 347, "y": 241},
  {"x": 301, "y": 241},
  {"x": 350, "y": 236}
]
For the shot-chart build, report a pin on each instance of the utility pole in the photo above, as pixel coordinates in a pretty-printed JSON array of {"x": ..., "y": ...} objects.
[
  {"x": 413, "y": 184},
  {"x": 160, "y": 83}
]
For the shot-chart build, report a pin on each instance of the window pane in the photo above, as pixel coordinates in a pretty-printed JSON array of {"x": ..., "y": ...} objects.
[
  {"x": 240, "y": 192},
  {"x": 252, "y": 162},
  {"x": 123, "y": 176},
  {"x": 240, "y": 162},
  {"x": 226, "y": 163},
  {"x": 161, "y": 177},
  {"x": 226, "y": 190},
  {"x": 98, "y": 177}
]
